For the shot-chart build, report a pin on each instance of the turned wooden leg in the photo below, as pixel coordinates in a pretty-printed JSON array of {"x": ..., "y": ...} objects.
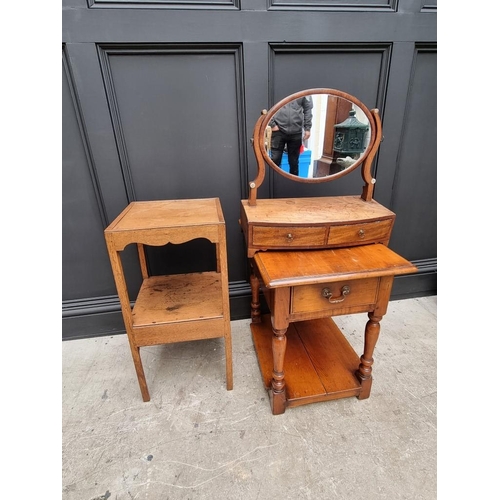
[
  {"x": 136, "y": 356},
  {"x": 364, "y": 372},
  {"x": 278, "y": 395},
  {"x": 255, "y": 312}
]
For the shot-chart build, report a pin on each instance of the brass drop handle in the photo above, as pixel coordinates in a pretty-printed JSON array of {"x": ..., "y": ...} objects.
[
  {"x": 361, "y": 233},
  {"x": 345, "y": 290},
  {"x": 289, "y": 237}
]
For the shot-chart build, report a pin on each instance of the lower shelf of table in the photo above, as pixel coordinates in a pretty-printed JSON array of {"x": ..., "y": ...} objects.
[
  {"x": 320, "y": 364},
  {"x": 180, "y": 307},
  {"x": 179, "y": 297}
]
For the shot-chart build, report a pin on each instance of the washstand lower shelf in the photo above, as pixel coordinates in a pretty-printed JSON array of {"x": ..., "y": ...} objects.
[{"x": 320, "y": 364}]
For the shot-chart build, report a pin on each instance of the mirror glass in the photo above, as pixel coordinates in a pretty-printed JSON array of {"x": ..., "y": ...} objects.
[{"x": 316, "y": 136}]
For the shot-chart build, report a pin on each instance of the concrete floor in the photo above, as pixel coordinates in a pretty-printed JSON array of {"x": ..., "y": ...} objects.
[{"x": 195, "y": 440}]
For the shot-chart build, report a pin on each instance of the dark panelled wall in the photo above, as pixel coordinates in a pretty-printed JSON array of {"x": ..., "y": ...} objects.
[{"x": 159, "y": 100}]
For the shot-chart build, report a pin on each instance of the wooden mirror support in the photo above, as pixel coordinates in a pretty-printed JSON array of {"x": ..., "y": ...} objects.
[
  {"x": 315, "y": 258},
  {"x": 260, "y": 143}
]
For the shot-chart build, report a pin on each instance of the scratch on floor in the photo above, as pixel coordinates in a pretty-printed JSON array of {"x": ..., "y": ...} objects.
[
  {"x": 421, "y": 402},
  {"x": 227, "y": 467}
]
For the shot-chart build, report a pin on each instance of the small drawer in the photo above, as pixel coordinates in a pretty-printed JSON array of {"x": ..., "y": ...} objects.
[
  {"x": 330, "y": 296},
  {"x": 358, "y": 233},
  {"x": 282, "y": 237}
]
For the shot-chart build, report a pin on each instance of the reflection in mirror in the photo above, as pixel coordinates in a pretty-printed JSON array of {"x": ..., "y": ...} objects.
[{"x": 317, "y": 136}]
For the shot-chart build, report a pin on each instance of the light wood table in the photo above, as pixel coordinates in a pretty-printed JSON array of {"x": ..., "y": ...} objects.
[
  {"x": 303, "y": 356},
  {"x": 177, "y": 307}
]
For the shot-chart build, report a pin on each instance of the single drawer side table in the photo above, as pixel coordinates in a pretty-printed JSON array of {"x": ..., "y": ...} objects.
[
  {"x": 178, "y": 307},
  {"x": 303, "y": 356}
]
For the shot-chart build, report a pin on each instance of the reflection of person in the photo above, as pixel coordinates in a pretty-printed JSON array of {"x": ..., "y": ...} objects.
[{"x": 287, "y": 125}]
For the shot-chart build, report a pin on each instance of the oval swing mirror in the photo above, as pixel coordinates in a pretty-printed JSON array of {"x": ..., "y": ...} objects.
[{"x": 316, "y": 135}]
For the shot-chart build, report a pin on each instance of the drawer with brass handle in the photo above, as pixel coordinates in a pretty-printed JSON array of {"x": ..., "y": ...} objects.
[
  {"x": 336, "y": 295},
  {"x": 288, "y": 236},
  {"x": 356, "y": 234}
]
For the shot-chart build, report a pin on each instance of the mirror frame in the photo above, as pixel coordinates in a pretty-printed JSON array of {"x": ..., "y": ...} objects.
[{"x": 366, "y": 159}]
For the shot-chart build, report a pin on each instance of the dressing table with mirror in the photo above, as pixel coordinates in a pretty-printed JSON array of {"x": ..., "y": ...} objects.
[{"x": 315, "y": 258}]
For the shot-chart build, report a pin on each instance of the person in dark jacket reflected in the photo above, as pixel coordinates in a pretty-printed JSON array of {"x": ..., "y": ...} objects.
[{"x": 290, "y": 126}]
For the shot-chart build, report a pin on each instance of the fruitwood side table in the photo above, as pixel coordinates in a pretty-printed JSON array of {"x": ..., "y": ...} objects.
[{"x": 178, "y": 307}]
